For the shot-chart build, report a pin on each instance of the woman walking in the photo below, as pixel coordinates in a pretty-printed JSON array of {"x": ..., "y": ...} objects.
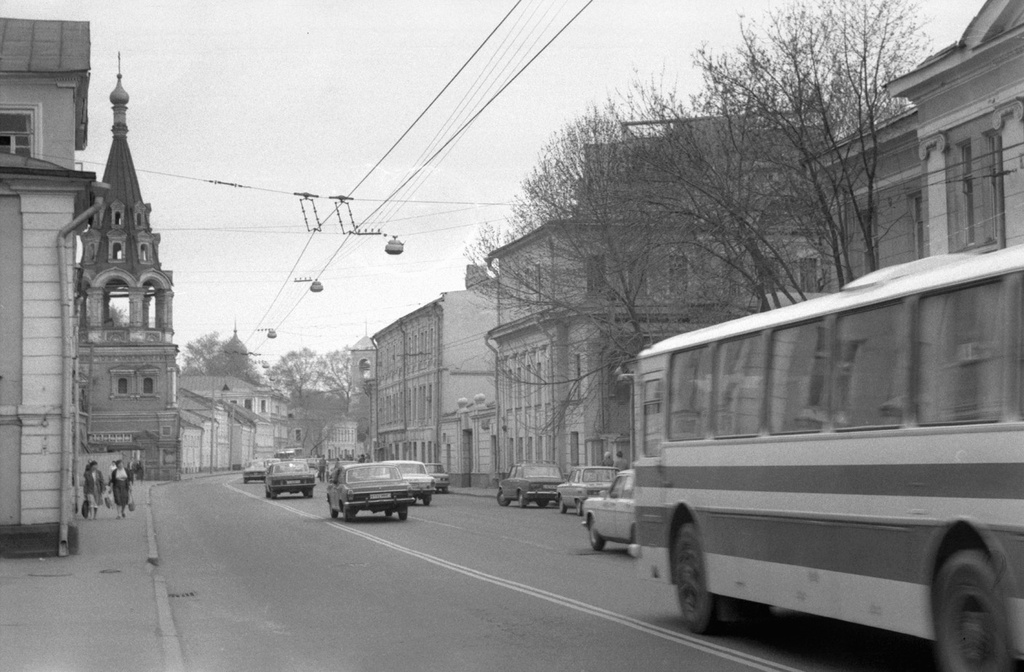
[
  {"x": 93, "y": 486},
  {"x": 121, "y": 485}
]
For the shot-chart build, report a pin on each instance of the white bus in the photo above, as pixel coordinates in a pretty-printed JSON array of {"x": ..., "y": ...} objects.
[{"x": 858, "y": 456}]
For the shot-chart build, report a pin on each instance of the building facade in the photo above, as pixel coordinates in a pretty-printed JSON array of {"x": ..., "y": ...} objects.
[
  {"x": 126, "y": 332},
  {"x": 426, "y": 362},
  {"x": 44, "y": 202}
]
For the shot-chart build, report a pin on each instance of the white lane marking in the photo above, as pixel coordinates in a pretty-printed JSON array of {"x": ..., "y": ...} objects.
[{"x": 751, "y": 661}]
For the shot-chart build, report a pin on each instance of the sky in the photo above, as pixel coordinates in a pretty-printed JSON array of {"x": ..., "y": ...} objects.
[{"x": 236, "y": 106}]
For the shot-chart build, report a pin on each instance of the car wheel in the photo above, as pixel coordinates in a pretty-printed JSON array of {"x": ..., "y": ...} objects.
[
  {"x": 266, "y": 493},
  {"x": 388, "y": 513},
  {"x": 349, "y": 512},
  {"x": 334, "y": 512},
  {"x": 308, "y": 493},
  {"x": 696, "y": 603},
  {"x": 403, "y": 513},
  {"x": 245, "y": 480},
  {"x": 542, "y": 503},
  {"x": 971, "y": 625},
  {"x": 501, "y": 498},
  {"x": 426, "y": 500},
  {"x": 562, "y": 508},
  {"x": 596, "y": 540},
  {"x": 522, "y": 500},
  {"x": 579, "y": 507},
  {"x": 273, "y": 494}
]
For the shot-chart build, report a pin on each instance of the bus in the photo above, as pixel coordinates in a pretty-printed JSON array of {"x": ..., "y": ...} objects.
[{"x": 859, "y": 456}]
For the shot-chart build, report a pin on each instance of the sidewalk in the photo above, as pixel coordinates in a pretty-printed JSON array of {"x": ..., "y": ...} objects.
[{"x": 103, "y": 609}]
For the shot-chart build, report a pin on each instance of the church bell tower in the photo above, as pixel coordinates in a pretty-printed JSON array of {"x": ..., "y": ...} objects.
[{"x": 126, "y": 335}]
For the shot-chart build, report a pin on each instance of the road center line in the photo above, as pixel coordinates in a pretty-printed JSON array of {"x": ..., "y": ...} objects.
[{"x": 751, "y": 661}]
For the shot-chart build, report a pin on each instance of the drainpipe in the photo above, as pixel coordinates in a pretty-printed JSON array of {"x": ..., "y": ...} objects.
[{"x": 69, "y": 353}]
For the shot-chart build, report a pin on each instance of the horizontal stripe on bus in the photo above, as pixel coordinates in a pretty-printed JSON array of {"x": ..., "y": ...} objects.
[
  {"x": 879, "y": 549},
  {"x": 986, "y": 480}
]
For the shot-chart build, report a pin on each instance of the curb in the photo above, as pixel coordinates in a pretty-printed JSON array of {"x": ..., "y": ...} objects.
[{"x": 170, "y": 643}]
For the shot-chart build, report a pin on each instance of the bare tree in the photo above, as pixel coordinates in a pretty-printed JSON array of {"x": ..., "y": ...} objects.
[{"x": 813, "y": 76}]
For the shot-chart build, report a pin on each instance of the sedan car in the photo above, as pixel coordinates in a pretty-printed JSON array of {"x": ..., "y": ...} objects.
[
  {"x": 257, "y": 469},
  {"x": 530, "y": 482},
  {"x": 609, "y": 516},
  {"x": 442, "y": 481},
  {"x": 372, "y": 486},
  {"x": 583, "y": 482},
  {"x": 289, "y": 476},
  {"x": 421, "y": 484}
]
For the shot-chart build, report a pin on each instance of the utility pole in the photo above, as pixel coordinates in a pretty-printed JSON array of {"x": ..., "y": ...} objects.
[{"x": 213, "y": 421}]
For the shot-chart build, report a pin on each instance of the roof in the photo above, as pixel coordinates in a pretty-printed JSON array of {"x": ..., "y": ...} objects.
[
  {"x": 364, "y": 343},
  {"x": 28, "y": 45}
]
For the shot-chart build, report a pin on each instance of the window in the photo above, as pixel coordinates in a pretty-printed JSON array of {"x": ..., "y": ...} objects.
[
  {"x": 807, "y": 274},
  {"x": 689, "y": 393},
  {"x": 16, "y": 133},
  {"x": 248, "y": 404},
  {"x": 298, "y": 435},
  {"x": 263, "y": 405},
  {"x": 678, "y": 271},
  {"x": 147, "y": 386},
  {"x": 740, "y": 377},
  {"x": 654, "y": 423},
  {"x": 915, "y": 204},
  {"x": 143, "y": 252},
  {"x": 961, "y": 356},
  {"x": 122, "y": 386},
  {"x": 574, "y": 447},
  {"x": 870, "y": 369},
  {"x": 117, "y": 252},
  {"x": 995, "y": 210},
  {"x": 595, "y": 271},
  {"x": 799, "y": 362}
]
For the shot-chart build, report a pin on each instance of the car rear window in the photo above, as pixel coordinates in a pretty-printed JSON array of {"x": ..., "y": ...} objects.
[
  {"x": 412, "y": 468},
  {"x": 435, "y": 469},
  {"x": 541, "y": 472},
  {"x": 372, "y": 473},
  {"x": 290, "y": 467},
  {"x": 598, "y": 475}
]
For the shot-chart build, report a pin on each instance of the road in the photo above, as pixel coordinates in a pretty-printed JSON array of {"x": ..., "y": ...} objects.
[{"x": 462, "y": 585}]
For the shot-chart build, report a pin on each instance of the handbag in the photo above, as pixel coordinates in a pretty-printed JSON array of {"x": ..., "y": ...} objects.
[
  {"x": 131, "y": 501},
  {"x": 108, "y": 500},
  {"x": 85, "y": 508}
]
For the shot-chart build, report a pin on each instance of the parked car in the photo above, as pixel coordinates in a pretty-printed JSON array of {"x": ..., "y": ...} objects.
[
  {"x": 442, "y": 481},
  {"x": 421, "y": 484},
  {"x": 372, "y": 486},
  {"x": 609, "y": 516},
  {"x": 530, "y": 482},
  {"x": 289, "y": 476},
  {"x": 583, "y": 482},
  {"x": 257, "y": 469}
]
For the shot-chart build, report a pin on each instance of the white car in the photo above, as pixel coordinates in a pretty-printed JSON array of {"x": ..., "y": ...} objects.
[
  {"x": 609, "y": 516},
  {"x": 421, "y": 484}
]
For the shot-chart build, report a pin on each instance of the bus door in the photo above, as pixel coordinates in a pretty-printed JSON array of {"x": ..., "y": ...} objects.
[{"x": 650, "y": 498}]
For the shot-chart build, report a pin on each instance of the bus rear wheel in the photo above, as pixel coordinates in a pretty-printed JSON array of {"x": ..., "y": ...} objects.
[
  {"x": 690, "y": 579},
  {"x": 971, "y": 626}
]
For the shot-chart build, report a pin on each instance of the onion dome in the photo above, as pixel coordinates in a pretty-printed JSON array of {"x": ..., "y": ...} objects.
[{"x": 119, "y": 96}]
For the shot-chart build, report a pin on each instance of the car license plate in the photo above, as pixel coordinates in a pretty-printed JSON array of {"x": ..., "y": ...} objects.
[{"x": 380, "y": 495}]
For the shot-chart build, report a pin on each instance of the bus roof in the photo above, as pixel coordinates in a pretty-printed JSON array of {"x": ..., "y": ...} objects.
[{"x": 883, "y": 285}]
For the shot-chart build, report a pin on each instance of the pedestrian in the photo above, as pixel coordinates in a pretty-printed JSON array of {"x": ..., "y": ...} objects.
[
  {"x": 121, "y": 486},
  {"x": 321, "y": 468},
  {"x": 620, "y": 461},
  {"x": 137, "y": 469},
  {"x": 93, "y": 487},
  {"x": 607, "y": 461}
]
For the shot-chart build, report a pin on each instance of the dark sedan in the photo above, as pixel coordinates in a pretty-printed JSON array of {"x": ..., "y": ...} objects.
[
  {"x": 368, "y": 487},
  {"x": 289, "y": 476},
  {"x": 530, "y": 482}
]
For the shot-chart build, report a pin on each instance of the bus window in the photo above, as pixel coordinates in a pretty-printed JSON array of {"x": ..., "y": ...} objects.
[
  {"x": 654, "y": 423},
  {"x": 961, "y": 350},
  {"x": 740, "y": 377},
  {"x": 689, "y": 394},
  {"x": 799, "y": 363},
  {"x": 870, "y": 369}
]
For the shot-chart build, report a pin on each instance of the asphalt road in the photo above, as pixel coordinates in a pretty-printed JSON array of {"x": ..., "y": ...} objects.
[{"x": 462, "y": 585}]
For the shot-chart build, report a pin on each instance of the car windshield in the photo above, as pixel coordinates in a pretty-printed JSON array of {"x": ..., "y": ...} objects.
[
  {"x": 434, "y": 469},
  {"x": 377, "y": 472},
  {"x": 412, "y": 468},
  {"x": 541, "y": 471},
  {"x": 598, "y": 475},
  {"x": 290, "y": 467}
]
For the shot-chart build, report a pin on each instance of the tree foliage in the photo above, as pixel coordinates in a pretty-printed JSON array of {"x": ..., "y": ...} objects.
[{"x": 207, "y": 356}]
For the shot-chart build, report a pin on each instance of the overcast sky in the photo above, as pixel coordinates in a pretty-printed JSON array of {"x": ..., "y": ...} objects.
[{"x": 284, "y": 97}]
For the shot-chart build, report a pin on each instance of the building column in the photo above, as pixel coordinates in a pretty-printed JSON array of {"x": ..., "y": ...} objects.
[
  {"x": 1008, "y": 120},
  {"x": 933, "y": 154}
]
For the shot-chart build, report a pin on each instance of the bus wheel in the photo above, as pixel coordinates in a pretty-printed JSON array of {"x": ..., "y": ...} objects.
[
  {"x": 697, "y": 604},
  {"x": 971, "y": 628}
]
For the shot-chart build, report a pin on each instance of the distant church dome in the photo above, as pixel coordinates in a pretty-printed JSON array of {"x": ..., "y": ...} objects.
[
  {"x": 119, "y": 96},
  {"x": 235, "y": 346}
]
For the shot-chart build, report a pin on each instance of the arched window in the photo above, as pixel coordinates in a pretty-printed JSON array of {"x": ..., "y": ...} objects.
[
  {"x": 122, "y": 386},
  {"x": 147, "y": 386},
  {"x": 138, "y": 220},
  {"x": 117, "y": 220},
  {"x": 144, "y": 252},
  {"x": 117, "y": 252}
]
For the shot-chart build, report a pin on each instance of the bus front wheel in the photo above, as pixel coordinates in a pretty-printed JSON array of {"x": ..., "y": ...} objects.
[
  {"x": 690, "y": 578},
  {"x": 971, "y": 627}
]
